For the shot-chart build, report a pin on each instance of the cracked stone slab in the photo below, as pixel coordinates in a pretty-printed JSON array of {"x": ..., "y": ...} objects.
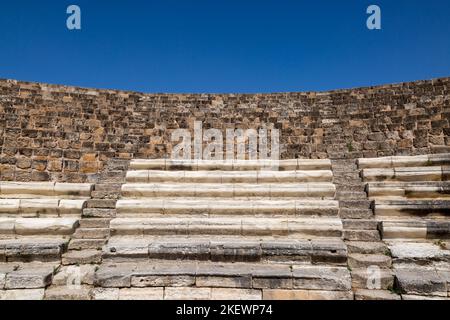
[
  {"x": 421, "y": 281},
  {"x": 30, "y": 276}
]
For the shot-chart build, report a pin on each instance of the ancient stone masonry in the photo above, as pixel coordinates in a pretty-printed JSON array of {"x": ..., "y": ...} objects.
[
  {"x": 67, "y": 134},
  {"x": 93, "y": 207},
  {"x": 371, "y": 228}
]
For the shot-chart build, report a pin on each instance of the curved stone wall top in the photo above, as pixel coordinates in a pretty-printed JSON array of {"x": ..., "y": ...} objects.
[{"x": 60, "y": 133}]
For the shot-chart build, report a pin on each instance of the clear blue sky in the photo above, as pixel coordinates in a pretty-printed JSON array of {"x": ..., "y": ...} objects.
[{"x": 224, "y": 45}]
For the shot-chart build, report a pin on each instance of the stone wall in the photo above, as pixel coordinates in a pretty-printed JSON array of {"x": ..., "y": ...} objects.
[{"x": 50, "y": 132}]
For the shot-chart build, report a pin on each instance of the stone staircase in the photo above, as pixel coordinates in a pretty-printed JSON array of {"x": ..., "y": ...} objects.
[
  {"x": 412, "y": 203},
  {"x": 210, "y": 229},
  {"x": 361, "y": 235},
  {"x": 36, "y": 223},
  {"x": 291, "y": 229}
]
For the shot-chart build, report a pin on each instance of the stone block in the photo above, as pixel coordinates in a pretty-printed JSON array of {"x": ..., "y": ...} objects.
[
  {"x": 30, "y": 277},
  {"x": 162, "y": 281},
  {"x": 141, "y": 294},
  {"x": 235, "y": 294},
  {"x": 270, "y": 294},
  {"x": 180, "y": 293},
  {"x": 26, "y": 294},
  {"x": 364, "y": 294}
]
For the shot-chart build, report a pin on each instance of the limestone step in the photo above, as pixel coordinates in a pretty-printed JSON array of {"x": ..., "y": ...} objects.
[
  {"x": 189, "y": 293},
  {"x": 69, "y": 293},
  {"x": 28, "y": 249},
  {"x": 349, "y": 213},
  {"x": 423, "y": 281},
  {"x": 41, "y": 207},
  {"x": 419, "y": 252},
  {"x": 16, "y": 276},
  {"x": 412, "y": 207},
  {"x": 405, "y": 161},
  {"x": 38, "y": 226},
  {"x": 214, "y": 206},
  {"x": 415, "y": 229},
  {"x": 86, "y": 244},
  {"x": 412, "y": 190},
  {"x": 356, "y": 204},
  {"x": 370, "y": 278},
  {"x": 357, "y": 260},
  {"x": 227, "y": 249},
  {"x": 290, "y": 294},
  {"x": 298, "y": 176},
  {"x": 231, "y": 165},
  {"x": 350, "y": 195},
  {"x": 226, "y": 225},
  {"x": 364, "y": 247},
  {"x": 269, "y": 191},
  {"x": 24, "y": 190},
  {"x": 436, "y": 173},
  {"x": 82, "y": 257},
  {"x": 224, "y": 275},
  {"x": 91, "y": 233},
  {"x": 22, "y": 294},
  {"x": 414, "y": 297},
  {"x": 368, "y": 294}
]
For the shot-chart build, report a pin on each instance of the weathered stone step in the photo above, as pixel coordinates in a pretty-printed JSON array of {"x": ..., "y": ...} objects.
[
  {"x": 416, "y": 229},
  {"x": 405, "y": 161},
  {"x": 192, "y": 293},
  {"x": 82, "y": 257},
  {"x": 214, "y": 206},
  {"x": 411, "y": 207},
  {"x": 356, "y": 204},
  {"x": 419, "y": 252},
  {"x": 22, "y": 294},
  {"x": 350, "y": 195},
  {"x": 86, "y": 244},
  {"x": 71, "y": 293},
  {"x": 367, "y": 278},
  {"x": 413, "y": 190},
  {"x": 291, "y": 294},
  {"x": 238, "y": 225},
  {"x": 228, "y": 249},
  {"x": 91, "y": 233},
  {"x": 38, "y": 226},
  {"x": 224, "y": 275},
  {"x": 41, "y": 207},
  {"x": 357, "y": 260},
  {"x": 34, "y": 275},
  {"x": 32, "y": 249},
  {"x": 154, "y": 176},
  {"x": 437, "y": 173},
  {"x": 24, "y": 190},
  {"x": 365, "y": 247},
  {"x": 355, "y": 187},
  {"x": 230, "y": 165},
  {"x": 269, "y": 191},
  {"x": 349, "y": 213},
  {"x": 344, "y": 165},
  {"x": 423, "y": 281},
  {"x": 369, "y": 294}
]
